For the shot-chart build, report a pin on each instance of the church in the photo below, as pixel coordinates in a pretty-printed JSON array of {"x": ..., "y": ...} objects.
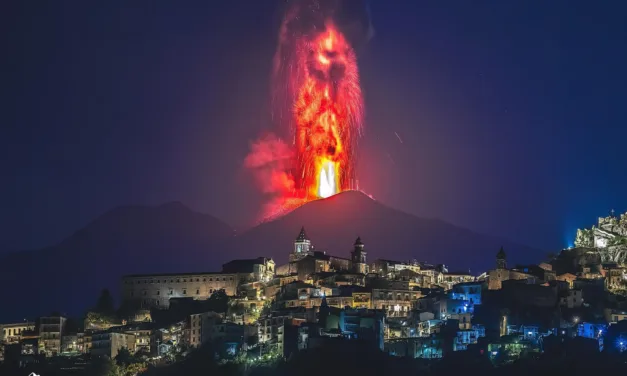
[{"x": 305, "y": 261}]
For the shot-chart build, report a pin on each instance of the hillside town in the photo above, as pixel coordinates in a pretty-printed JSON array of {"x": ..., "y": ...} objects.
[{"x": 253, "y": 311}]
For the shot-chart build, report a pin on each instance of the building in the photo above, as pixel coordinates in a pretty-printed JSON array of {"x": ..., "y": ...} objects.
[
  {"x": 615, "y": 277},
  {"x": 449, "y": 279},
  {"x": 155, "y": 290},
  {"x": 260, "y": 269},
  {"x": 571, "y": 298},
  {"x": 501, "y": 273},
  {"x": 384, "y": 267},
  {"x": 12, "y": 333},
  {"x": 70, "y": 344},
  {"x": 358, "y": 257},
  {"x": 142, "y": 333},
  {"x": 469, "y": 291},
  {"x": 109, "y": 344},
  {"x": 302, "y": 246},
  {"x": 201, "y": 327},
  {"x": 51, "y": 330},
  {"x": 396, "y": 303}
]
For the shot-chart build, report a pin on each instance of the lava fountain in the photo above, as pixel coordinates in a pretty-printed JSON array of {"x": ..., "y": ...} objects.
[
  {"x": 327, "y": 112},
  {"x": 317, "y": 96}
]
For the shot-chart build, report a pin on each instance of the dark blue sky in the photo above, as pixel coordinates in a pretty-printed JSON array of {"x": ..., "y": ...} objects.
[{"x": 512, "y": 114}]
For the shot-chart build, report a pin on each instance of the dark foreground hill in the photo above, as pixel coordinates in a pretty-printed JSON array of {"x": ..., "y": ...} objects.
[
  {"x": 333, "y": 225},
  {"x": 67, "y": 277}
]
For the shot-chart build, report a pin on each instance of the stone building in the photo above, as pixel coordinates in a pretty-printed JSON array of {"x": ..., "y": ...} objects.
[
  {"x": 304, "y": 260},
  {"x": 12, "y": 333},
  {"x": 109, "y": 344},
  {"x": 358, "y": 257},
  {"x": 51, "y": 330},
  {"x": 155, "y": 290},
  {"x": 395, "y": 303},
  {"x": 501, "y": 273}
]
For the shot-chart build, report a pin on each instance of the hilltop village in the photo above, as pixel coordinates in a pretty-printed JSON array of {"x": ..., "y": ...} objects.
[{"x": 255, "y": 311}]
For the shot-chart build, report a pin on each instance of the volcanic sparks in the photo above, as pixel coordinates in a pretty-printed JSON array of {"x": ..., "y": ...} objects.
[
  {"x": 327, "y": 113},
  {"x": 317, "y": 93}
]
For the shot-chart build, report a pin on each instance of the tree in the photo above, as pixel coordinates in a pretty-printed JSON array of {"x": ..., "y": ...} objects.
[
  {"x": 105, "y": 305},
  {"x": 124, "y": 357},
  {"x": 218, "y": 302}
]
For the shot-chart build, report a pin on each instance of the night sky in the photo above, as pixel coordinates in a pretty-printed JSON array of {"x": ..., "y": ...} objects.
[{"x": 511, "y": 114}]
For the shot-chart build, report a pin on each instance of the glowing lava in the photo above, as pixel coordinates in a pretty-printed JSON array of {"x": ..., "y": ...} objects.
[
  {"x": 327, "y": 114},
  {"x": 316, "y": 93}
]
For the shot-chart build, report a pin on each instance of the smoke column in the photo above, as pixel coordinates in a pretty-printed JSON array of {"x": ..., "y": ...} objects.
[{"x": 318, "y": 100}]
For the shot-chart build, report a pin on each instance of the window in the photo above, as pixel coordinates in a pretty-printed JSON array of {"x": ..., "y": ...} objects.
[
  {"x": 184, "y": 292},
  {"x": 178, "y": 280},
  {"x": 145, "y": 292},
  {"x": 158, "y": 292},
  {"x": 211, "y": 291},
  {"x": 210, "y": 279},
  {"x": 223, "y": 278},
  {"x": 204, "y": 279},
  {"x": 197, "y": 280},
  {"x": 184, "y": 280},
  {"x": 231, "y": 278},
  {"x": 197, "y": 291}
]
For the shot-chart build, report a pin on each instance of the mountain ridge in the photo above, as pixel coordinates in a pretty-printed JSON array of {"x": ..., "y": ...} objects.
[{"x": 172, "y": 238}]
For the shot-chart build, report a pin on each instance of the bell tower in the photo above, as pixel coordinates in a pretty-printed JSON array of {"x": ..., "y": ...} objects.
[
  {"x": 358, "y": 257},
  {"x": 501, "y": 259},
  {"x": 302, "y": 246}
]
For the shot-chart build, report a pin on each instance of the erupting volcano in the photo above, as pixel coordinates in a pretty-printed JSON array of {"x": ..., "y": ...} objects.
[
  {"x": 318, "y": 98},
  {"x": 327, "y": 113}
]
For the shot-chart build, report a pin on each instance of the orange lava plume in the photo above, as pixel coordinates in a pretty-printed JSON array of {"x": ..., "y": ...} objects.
[
  {"x": 327, "y": 113},
  {"x": 317, "y": 93}
]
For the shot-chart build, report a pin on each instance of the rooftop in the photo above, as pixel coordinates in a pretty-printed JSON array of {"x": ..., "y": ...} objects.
[
  {"x": 174, "y": 274},
  {"x": 243, "y": 265}
]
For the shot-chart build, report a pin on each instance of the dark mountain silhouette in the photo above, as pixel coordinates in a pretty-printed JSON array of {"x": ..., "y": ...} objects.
[
  {"x": 68, "y": 277},
  {"x": 333, "y": 225}
]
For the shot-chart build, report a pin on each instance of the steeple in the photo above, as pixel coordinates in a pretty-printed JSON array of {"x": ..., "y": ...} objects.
[
  {"x": 501, "y": 259},
  {"x": 358, "y": 242},
  {"x": 302, "y": 246},
  {"x": 302, "y": 236},
  {"x": 358, "y": 257}
]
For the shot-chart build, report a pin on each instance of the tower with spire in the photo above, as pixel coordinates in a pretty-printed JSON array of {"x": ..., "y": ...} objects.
[
  {"x": 501, "y": 259},
  {"x": 358, "y": 257},
  {"x": 302, "y": 246}
]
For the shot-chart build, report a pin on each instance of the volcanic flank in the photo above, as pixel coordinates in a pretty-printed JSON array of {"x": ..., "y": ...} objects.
[
  {"x": 172, "y": 238},
  {"x": 333, "y": 224}
]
